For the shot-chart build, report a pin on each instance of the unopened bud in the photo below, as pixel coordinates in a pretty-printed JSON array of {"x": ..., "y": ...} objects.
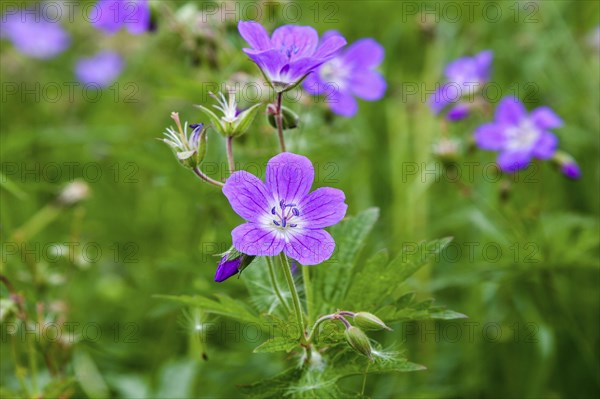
[
  {"x": 288, "y": 117},
  {"x": 369, "y": 321},
  {"x": 358, "y": 340}
]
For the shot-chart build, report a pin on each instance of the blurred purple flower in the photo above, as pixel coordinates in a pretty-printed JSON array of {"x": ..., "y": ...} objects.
[
  {"x": 281, "y": 214},
  {"x": 351, "y": 73},
  {"x": 101, "y": 69},
  {"x": 518, "y": 136},
  {"x": 227, "y": 268},
  {"x": 291, "y": 53},
  {"x": 464, "y": 77},
  {"x": 112, "y": 15},
  {"x": 33, "y": 35}
]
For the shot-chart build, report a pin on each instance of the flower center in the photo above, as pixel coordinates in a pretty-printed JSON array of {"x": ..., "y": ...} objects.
[
  {"x": 289, "y": 50},
  {"x": 284, "y": 215},
  {"x": 522, "y": 137},
  {"x": 334, "y": 74}
]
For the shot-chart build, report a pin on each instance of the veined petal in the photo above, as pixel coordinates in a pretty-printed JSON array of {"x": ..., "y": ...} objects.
[
  {"x": 489, "y": 136},
  {"x": 368, "y": 85},
  {"x": 364, "y": 54},
  {"x": 255, "y": 35},
  {"x": 289, "y": 177},
  {"x": 545, "y": 146},
  {"x": 254, "y": 239},
  {"x": 310, "y": 247},
  {"x": 330, "y": 46},
  {"x": 270, "y": 61},
  {"x": 248, "y": 196},
  {"x": 545, "y": 118},
  {"x": 510, "y": 111},
  {"x": 295, "y": 41},
  {"x": 323, "y": 207},
  {"x": 293, "y": 72},
  {"x": 510, "y": 161}
]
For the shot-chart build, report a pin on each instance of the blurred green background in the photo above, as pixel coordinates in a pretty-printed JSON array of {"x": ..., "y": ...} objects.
[{"x": 523, "y": 265}]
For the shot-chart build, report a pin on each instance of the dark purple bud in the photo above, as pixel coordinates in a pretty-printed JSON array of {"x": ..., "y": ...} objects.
[
  {"x": 571, "y": 170},
  {"x": 458, "y": 112},
  {"x": 227, "y": 268}
]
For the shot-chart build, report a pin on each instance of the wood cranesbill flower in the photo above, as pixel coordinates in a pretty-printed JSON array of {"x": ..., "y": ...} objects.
[
  {"x": 232, "y": 263},
  {"x": 281, "y": 214},
  {"x": 351, "y": 73},
  {"x": 464, "y": 77},
  {"x": 101, "y": 69},
  {"x": 519, "y": 136},
  {"x": 34, "y": 35},
  {"x": 290, "y": 54},
  {"x": 112, "y": 15}
]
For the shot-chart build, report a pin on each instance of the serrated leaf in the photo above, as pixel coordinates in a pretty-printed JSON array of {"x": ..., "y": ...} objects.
[
  {"x": 332, "y": 278},
  {"x": 277, "y": 344}
]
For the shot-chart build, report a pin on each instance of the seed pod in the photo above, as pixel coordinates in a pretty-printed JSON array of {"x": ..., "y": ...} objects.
[
  {"x": 369, "y": 321},
  {"x": 358, "y": 340}
]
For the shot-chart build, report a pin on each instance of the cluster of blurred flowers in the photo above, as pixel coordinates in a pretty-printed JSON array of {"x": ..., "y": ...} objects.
[
  {"x": 517, "y": 136},
  {"x": 38, "y": 35}
]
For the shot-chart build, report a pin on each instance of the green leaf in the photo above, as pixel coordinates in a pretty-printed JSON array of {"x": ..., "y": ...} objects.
[
  {"x": 225, "y": 306},
  {"x": 332, "y": 278},
  {"x": 446, "y": 314},
  {"x": 277, "y": 344},
  {"x": 89, "y": 376}
]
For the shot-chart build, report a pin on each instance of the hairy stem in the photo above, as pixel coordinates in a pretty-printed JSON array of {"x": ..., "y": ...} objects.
[
  {"x": 295, "y": 298},
  {"x": 279, "y": 122},
  {"x": 207, "y": 179},
  {"x": 275, "y": 285},
  {"x": 230, "y": 160}
]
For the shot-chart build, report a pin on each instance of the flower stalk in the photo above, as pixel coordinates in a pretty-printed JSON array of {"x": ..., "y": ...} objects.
[
  {"x": 279, "y": 121},
  {"x": 230, "y": 159},
  {"x": 275, "y": 285},
  {"x": 295, "y": 298}
]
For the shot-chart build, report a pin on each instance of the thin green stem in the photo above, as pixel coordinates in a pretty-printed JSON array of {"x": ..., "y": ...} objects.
[
  {"x": 295, "y": 298},
  {"x": 230, "y": 160},
  {"x": 33, "y": 365},
  {"x": 308, "y": 293},
  {"x": 279, "y": 121},
  {"x": 315, "y": 328},
  {"x": 207, "y": 179},
  {"x": 275, "y": 285}
]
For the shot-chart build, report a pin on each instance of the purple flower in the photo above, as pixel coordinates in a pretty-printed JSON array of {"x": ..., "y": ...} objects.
[
  {"x": 291, "y": 53},
  {"x": 349, "y": 74},
  {"x": 519, "y": 136},
  {"x": 464, "y": 77},
  {"x": 227, "y": 268},
  {"x": 101, "y": 69},
  {"x": 112, "y": 15},
  {"x": 281, "y": 214},
  {"x": 571, "y": 170},
  {"x": 34, "y": 35}
]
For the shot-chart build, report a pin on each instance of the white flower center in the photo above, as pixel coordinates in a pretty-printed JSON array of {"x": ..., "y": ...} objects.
[
  {"x": 334, "y": 74},
  {"x": 522, "y": 137}
]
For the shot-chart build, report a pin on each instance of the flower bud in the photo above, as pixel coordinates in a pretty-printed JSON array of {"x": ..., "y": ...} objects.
[
  {"x": 289, "y": 118},
  {"x": 232, "y": 263},
  {"x": 358, "y": 340},
  {"x": 189, "y": 148},
  {"x": 568, "y": 165},
  {"x": 369, "y": 321}
]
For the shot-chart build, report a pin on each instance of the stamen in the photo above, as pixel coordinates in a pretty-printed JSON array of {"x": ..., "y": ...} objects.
[
  {"x": 273, "y": 211},
  {"x": 296, "y": 212},
  {"x": 276, "y": 223}
]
